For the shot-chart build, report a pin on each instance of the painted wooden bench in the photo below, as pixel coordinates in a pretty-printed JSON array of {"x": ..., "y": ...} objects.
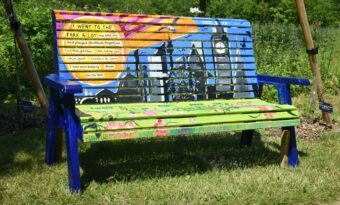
[{"x": 126, "y": 76}]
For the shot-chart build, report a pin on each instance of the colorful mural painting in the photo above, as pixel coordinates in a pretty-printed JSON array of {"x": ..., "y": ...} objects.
[{"x": 136, "y": 58}]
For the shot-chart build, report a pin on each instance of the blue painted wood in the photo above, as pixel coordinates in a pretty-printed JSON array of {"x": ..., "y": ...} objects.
[
  {"x": 284, "y": 94},
  {"x": 56, "y": 82},
  {"x": 71, "y": 143},
  {"x": 54, "y": 41},
  {"x": 293, "y": 158},
  {"x": 53, "y": 123},
  {"x": 234, "y": 22},
  {"x": 282, "y": 84},
  {"x": 260, "y": 90},
  {"x": 267, "y": 79}
]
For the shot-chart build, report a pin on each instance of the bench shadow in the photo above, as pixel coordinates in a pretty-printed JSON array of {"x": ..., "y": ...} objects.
[{"x": 144, "y": 159}]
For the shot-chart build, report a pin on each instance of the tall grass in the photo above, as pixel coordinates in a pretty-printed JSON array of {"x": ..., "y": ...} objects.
[{"x": 280, "y": 50}]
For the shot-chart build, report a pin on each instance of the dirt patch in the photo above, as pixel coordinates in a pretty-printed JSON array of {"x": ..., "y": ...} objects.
[{"x": 309, "y": 129}]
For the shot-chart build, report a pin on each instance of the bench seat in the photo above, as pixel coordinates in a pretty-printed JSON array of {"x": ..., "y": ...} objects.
[{"x": 123, "y": 121}]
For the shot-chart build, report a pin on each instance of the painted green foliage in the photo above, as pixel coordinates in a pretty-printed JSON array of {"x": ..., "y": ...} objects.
[
  {"x": 107, "y": 112},
  {"x": 176, "y": 131},
  {"x": 124, "y": 121}
]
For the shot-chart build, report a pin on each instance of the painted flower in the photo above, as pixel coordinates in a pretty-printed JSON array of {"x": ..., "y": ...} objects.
[
  {"x": 264, "y": 107},
  {"x": 269, "y": 115},
  {"x": 149, "y": 113},
  {"x": 162, "y": 132},
  {"x": 159, "y": 123}
]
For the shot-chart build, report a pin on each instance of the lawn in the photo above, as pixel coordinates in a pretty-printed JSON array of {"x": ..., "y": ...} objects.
[{"x": 185, "y": 170}]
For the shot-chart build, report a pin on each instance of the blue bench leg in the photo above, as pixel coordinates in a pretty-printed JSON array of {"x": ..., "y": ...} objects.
[
  {"x": 53, "y": 121},
  {"x": 72, "y": 148},
  {"x": 293, "y": 158},
  {"x": 246, "y": 138},
  {"x": 72, "y": 161}
]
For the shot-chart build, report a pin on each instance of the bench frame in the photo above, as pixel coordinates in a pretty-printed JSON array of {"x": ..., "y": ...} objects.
[{"x": 62, "y": 115}]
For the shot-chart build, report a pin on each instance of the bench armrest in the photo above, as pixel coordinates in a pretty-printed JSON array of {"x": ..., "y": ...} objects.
[
  {"x": 62, "y": 105},
  {"x": 62, "y": 84},
  {"x": 282, "y": 84},
  {"x": 268, "y": 79}
]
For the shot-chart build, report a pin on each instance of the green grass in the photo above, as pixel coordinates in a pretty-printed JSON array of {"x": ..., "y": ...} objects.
[
  {"x": 304, "y": 103},
  {"x": 185, "y": 170}
]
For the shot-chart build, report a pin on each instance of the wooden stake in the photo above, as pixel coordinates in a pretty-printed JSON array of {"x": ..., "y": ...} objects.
[
  {"x": 25, "y": 52},
  {"x": 300, "y": 5},
  {"x": 285, "y": 142}
]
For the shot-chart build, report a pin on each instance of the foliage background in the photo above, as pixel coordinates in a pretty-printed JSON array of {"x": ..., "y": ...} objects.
[{"x": 279, "y": 46}]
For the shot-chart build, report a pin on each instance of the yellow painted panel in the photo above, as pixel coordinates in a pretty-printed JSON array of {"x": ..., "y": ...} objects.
[
  {"x": 94, "y": 67},
  {"x": 90, "y": 51},
  {"x": 90, "y": 43},
  {"x": 84, "y": 26},
  {"x": 89, "y": 35},
  {"x": 93, "y": 59}
]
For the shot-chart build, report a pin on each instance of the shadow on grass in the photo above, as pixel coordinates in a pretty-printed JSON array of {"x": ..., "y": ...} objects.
[
  {"x": 21, "y": 152},
  {"x": 131, "y": 160}
]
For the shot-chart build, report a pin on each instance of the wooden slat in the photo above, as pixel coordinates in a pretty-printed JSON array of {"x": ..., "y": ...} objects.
[
  {"x": 186, "y": 121},
  {"x": 153, "y": 30},
  {"x": 176, "y": 109},
  {"x": 123, "y": 60},
  {"x": 134, "y": 43},
  {"x": 176, "y": 96},
  {"x": 161, "y": 98},
  {"x": 177, "y": 131},
  {"x": 98, "y": 76},
  {"x": 141, "y": 36},
  {"x": 142, "y": 28},
  {"x": 236, "y": 73},
  {"x": 177, "y": 52},
  {"x": 113, "y": 26},
  {"x": 142, "y": 18},
  {"x": 233, "y": 81},
  {"x": 95, "y": 67},
  {"x": 146, "y": 84}
]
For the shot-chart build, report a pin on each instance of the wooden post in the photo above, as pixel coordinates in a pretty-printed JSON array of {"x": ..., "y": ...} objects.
[
  {"x": 300, "y": 5},
  {"x": 25, "y": 52},
  {"x": 285, "y": 143}
]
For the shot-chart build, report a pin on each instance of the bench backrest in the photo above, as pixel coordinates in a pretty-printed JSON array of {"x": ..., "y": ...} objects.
[{"x": 135, "y": 58}]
